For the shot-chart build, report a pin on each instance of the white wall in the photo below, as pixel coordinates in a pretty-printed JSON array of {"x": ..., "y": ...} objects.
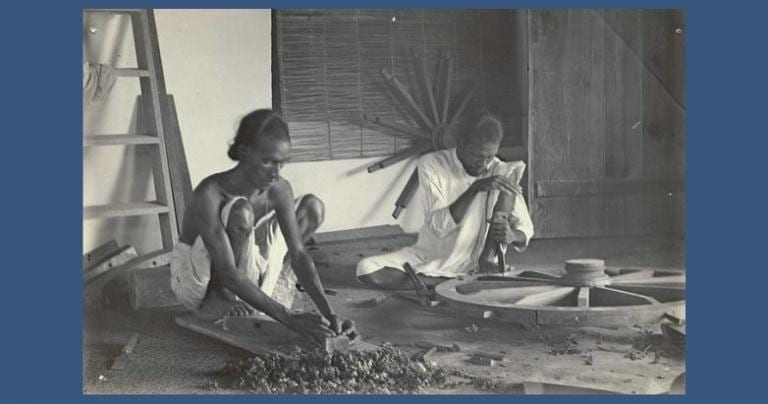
[{"x": 217, "y": 66}]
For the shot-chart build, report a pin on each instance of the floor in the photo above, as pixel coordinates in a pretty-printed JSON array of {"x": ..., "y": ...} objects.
[{"x": 631, "y": 358}]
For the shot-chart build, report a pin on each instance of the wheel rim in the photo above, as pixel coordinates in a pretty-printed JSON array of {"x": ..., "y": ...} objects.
[{"x": 608, "y": 296}]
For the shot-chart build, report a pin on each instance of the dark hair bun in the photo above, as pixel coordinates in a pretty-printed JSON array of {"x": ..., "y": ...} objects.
[{"x": 232, "y": 152}]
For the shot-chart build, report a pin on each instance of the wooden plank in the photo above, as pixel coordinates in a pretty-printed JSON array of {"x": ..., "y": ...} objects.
[
  {"x": 587, "y": 142},
  {"x": 92, "y": 290},
  {"x": 119, "y": 140},
  {"x": 267, "y": 337},
  {"x": 117, "y": 259},
  {"x": 548, "y": 108},
  {"x": 99, "y": 253},
  {"x": 131, "y": 72},
  {"x": 607, "y": 187},
  {"x": 624, "y": 103},
  {"x": 124, "y": 209},
  {"x": 563, "y": 380},
  {"x": 364, "y": 233},
  {"x": 181, "y": 183},
  {"x": 150, "y": 289}
]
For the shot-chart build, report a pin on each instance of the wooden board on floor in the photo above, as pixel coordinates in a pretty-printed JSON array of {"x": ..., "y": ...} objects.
[
  {"x": 150, "y": 288},
  {"x": 267, "y": 336},
  {"x": 364, "y": 233},
  {"x": 115, "y": 260},
  {"x": 563, "y": 380},
  {"x": 94, "y": 256}
]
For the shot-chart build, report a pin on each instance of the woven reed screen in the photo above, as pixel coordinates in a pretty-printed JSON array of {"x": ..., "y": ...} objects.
[{"x": 329, "y": 64}]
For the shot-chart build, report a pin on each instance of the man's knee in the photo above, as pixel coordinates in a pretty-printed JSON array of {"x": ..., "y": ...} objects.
[
  {"x": 313, "y": 209},
  {"x": 241, "y": 219}
]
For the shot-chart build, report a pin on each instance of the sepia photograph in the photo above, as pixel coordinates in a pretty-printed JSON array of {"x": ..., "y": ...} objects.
[{"x": 384, "y": 201}]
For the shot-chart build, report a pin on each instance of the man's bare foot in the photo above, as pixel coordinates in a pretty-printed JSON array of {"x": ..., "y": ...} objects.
[
  {"x": 240, "y": 309},
  {"x": 219, "y": 303}
]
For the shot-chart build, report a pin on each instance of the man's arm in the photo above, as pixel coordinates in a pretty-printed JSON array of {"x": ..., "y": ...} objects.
[
  {"x": 206, "y": 215},
  {"x": 301, "y": 262}
]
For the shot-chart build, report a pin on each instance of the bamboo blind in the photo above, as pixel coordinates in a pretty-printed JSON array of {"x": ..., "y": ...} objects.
[{"x": 329, "y": 64}]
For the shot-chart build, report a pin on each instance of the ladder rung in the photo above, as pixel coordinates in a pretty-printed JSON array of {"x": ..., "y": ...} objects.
[
  {"x": 131, "y": 72},
  {"x": 124, "y": 209},
  {"x": 112, "y": 140}
]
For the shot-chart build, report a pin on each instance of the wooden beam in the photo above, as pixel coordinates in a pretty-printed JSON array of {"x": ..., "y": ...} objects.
[
  {"x": 363, "y": 233},
  {"x": 115, "y": 260},
  {"x": 150, "y": 289},
  {"x": 400, "y": 156},
  {"x": 96, "y": 255},
  {"x": 607, "y": 187}
]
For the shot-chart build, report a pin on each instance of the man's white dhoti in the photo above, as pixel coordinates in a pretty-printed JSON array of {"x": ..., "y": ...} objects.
[
  {"x": 262, "y": 262},
  {"x": 445, "y": 248}
]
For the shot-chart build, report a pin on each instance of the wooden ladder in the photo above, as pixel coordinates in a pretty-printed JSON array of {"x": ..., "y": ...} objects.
[{"x": 153, "y": 136}]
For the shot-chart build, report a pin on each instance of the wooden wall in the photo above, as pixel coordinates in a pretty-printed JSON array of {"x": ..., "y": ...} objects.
[{"x": 606, "y": 126}]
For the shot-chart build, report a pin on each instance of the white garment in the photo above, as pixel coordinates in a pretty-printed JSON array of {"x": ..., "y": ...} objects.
[
  {"x": 262, "y": 263},
  {"x": 444, "y": 247}
]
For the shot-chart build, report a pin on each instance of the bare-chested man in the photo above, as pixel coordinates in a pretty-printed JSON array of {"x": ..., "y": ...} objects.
[{"x": 240, "y": 228}]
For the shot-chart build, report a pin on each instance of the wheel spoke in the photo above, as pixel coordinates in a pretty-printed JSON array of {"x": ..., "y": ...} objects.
[
  {"x": 661, "y": 293},
  {"x": 425, "y": 85},
  {"x": 399, "y": 156},
  {"x": 677, "y": 280},
  {"x": 624, "y": 276},
  {"x": 603, "y": 296},
  {"x": 511, "y": 295},
  {"x": 546, "y": 298},
  {"x": 582, "y": 300},
  {"x": 402, "y": 130},
  {"x": 447, "y": 82},
  {"x": 399, "y": 90},
  {"x": 462, "y": 105}
]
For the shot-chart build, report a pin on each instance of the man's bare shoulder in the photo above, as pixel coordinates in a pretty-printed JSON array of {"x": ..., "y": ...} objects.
[{"x": 209, "y": 188}]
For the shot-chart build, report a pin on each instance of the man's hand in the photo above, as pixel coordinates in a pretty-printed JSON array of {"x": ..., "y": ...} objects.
[
  {"x": 501, "y": 231},
  {"x": 498, "y": 182},
  {"x": 344, "y": 327},
  {"x": 311, "y": 325}
]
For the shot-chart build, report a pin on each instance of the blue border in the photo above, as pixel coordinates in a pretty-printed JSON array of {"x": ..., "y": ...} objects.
[{"x": 725, "y": 139}]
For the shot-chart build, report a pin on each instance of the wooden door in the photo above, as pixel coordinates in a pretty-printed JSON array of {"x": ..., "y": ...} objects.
[{"x": 606, "y": 133}]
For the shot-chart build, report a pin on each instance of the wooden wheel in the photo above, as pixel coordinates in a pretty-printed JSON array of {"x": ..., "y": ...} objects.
[
  {"x": 436, "y": 116},
  {"x": 593, "y": 296}
]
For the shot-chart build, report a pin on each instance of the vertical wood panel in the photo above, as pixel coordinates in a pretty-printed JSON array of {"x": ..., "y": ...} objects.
[{"x": 592, "y": 95}]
